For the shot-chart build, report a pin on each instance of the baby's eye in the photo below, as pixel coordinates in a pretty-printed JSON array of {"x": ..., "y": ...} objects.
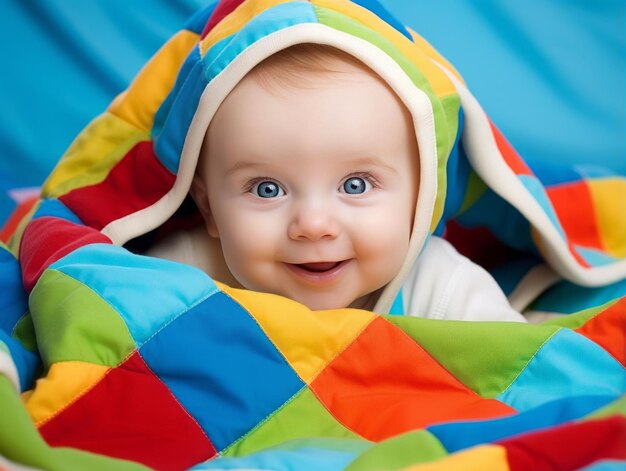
[
  {"x": 356, "y": 186},
  {"x": 267, "y": 189}
]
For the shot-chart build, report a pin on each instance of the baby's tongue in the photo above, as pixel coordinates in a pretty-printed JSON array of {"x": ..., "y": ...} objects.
[{"x": 318, "y": 266}]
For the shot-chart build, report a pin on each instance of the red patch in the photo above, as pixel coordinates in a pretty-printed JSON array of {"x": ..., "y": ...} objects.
[
  {"x": 510, "y": 155},
  {"x": 48, "y": 239},
  {"x": 138, "y": 181},
  {"x": 386, "y": 371},
  {"x": 608, "y": 329},
  {"x": 131, "y": 414},
  {"x": 571, "y": 446},
  {"x": 570, "y": 202},
  {"x": 16, "y": 217},
  {"x": 224, "y": 8}
]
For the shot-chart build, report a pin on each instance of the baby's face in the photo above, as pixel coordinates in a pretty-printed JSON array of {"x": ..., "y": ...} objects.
[{"x": 312, "y": 190}]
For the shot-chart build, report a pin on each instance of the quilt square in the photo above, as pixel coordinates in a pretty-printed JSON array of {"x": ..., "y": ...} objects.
[
  {"x": 222, "y": 368},
  {"x": 131, "y": 415},
  {"x": 385, "y": 384}
]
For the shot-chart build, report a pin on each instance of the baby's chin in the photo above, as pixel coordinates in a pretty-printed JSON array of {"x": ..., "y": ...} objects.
[{"x": 325, "y": 302}]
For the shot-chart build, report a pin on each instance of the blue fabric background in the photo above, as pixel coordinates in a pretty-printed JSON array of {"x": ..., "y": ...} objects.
[{"x": 551, "y": 73}]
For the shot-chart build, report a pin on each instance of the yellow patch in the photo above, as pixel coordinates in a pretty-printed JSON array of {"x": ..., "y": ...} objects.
[
  {"x": 65, "y": 382},
  {"x": 609, "y": 198},
  {"x": 441, "y": 85},
  {"x": 88, "y": 161},
  {"x": 235, "y": 21},
  {"x": 309, "y": 340},
  {"x": 491, "y": 457},
  {"x": 140, "y": 102}
]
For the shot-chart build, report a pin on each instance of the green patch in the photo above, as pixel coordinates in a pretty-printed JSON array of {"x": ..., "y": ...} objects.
[
  {"x": 73, "y": 323},
  {"x": 408, "y": 449},
  {"x": 300, "y": 418},
  {"x": 475, "y": 189},
  {"x": 485, "y": 356},
  {"x": 24, "y": 332},
  {"x": 574, "y": 321}
]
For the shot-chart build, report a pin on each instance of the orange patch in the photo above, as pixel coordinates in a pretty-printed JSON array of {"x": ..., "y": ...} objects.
[
  {"x": 608, "y": 329},
  {"x": 384, "y": 384},
  {"x": 510, "y": 155},
  {"x": 571, "y": 201}
]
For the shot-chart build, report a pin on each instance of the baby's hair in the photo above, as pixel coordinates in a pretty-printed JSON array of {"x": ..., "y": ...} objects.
[{"x": 294, "y": 65}]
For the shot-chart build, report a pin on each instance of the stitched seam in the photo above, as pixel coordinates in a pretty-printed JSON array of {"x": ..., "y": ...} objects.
[
  {"x": 123, "y": 360},
  {"x": 17, "y": 322},
  {"x": 428, "y": 354},
  {"x": 317, "y": 372},
  {"x": 264, "y": 420},
  {"x": 332, "y": 414},
  {"x": 171, "y": 393},
  {"x": 346, "y": 346},
  {"x": 80, "y": 394},
  {"x": 529, "y": 360},
  {"x": 185, "y": 310},
  {"x": 180, "y": 314},
  {"x": 266, "y": 335},
  {"x": 49, "y": 270}
]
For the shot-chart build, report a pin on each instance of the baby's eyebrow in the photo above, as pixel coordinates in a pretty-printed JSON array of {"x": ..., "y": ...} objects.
[
  {"x": 243, "y": 165},
  {"x": 373, "y": 161}
]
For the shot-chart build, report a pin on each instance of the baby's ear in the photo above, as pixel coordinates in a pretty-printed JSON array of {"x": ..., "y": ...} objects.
[{"x": 200, "y": 196}]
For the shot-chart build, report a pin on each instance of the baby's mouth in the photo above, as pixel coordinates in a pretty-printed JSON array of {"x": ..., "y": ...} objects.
[
  {"x": 318, "y": 267},
  {"x": 318, "y": 272}
]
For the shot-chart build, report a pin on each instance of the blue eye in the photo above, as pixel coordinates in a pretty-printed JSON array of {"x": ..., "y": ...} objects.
[
  {"x": 267, "y": 189},
  {"x": 356, "y": 186}
]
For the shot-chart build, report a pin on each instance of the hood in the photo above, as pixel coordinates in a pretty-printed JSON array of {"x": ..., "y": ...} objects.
[{"x": 129, "y": 172}]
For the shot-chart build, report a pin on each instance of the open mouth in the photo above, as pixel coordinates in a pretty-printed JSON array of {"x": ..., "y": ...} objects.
[
  {"x": 318, "y": 267},
  {"x": 318, "y": 272}
]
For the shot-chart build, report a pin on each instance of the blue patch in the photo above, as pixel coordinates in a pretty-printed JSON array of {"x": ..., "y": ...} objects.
[
  {"x": 460, "y": 435},
  {"x": 131, "y": 284},
  {"x": 328, "y": 454},
  {"x": 196, "y": 23},
  {"x": 568, "y": 298},
  {"x": 28, "y": 364},
  {"x": 556, "y": 372},
  {"x": 55, "y": 208},
  {"x": 397, "y": 308},
  {"x": 595, "y": 172},
  {"x": 606, "y": 465},
  {"x": 222, "y": 368},
  {"x": 380, "y": 11},
  {"x": 593, "y": 257},
  {"x": 538, "y": 192},
  {"x": 457, "y": 173},
  {"x": 271, "y": 20},
  {"x": 13, "y": 301},
  {"x": 555, "y": 173},
  {"x": 172, "y": 120}
]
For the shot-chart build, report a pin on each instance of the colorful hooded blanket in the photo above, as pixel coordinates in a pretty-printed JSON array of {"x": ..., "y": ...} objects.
[{"x": 110, "y": 359}]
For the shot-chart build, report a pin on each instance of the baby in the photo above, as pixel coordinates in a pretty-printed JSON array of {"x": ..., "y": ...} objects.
[{"x": 308, "y": 180}]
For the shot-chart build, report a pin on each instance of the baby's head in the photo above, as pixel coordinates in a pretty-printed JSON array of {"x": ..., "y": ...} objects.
[{"x": 309, "y": 176}]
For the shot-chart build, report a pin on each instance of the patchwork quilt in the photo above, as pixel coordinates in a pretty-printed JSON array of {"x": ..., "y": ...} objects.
[{"x": 110, "y": 359}]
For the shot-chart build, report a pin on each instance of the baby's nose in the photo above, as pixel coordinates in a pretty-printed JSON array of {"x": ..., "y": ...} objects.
[{"x": 313, "y": 223}]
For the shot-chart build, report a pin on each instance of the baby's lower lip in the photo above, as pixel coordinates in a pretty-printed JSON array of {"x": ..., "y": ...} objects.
[{"x": 318, "y": 272}]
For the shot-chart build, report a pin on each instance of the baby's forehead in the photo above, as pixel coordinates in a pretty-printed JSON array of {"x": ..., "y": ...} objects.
[{"x": 309, "y": 65}]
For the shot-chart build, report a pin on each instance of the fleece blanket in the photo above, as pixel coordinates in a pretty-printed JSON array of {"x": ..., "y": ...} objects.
[{"x": 110, "y": 359}]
